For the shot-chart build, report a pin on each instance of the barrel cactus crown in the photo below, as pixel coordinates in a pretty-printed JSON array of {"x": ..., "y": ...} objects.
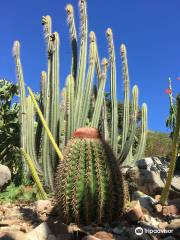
[{"x": 89, "y": 186}]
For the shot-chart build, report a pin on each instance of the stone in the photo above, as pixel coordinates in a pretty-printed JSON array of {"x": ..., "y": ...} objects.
[
  {"x": 5, "y": 175},
  {"x": 163, "y": 225},
  {"x": 158, "y": 207},
  {"x": 91, "y": 237},
  {"x": 42, "y": 206},
  {"x": 13, "y": 235},
  {"x": 146, "y": 201},
  {"x": 145, "y": 163},
  {"x": 41, "y": 232},
  {"x": 175, "y": 182},
  {"x": 174, "y": 224},
  {"x": 103, "y": 235},
  {"x": 134, "y": 212},
  {"x": 149, "y": 176},
  {"x": 170, "y": 210}
]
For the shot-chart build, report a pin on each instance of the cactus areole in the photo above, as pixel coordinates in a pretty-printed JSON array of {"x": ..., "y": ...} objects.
[{"x": 89, "y": 186}]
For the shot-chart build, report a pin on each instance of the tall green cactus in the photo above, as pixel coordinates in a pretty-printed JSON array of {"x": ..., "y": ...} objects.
[
  {"x": 114, "y": 128},
  {"x": 58, "y": 116},
  {"x": 20, "y": 77},
  {"x": 176, "y": 134},
  {"x": 89, "y": 79},
  {"x": 126, "y": 93},
  {"x": 88, "y": 184},
  {"x": 82, "y": 63},
  {"x": 73, "y": 35}
]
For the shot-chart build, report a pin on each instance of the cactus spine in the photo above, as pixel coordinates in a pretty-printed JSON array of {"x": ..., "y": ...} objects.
[{"x": 88, "y": 183}]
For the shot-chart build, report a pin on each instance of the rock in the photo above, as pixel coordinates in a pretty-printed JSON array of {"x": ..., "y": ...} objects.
[
  {"x": 170, "y": 210},
  {"x": 103, "y": 235},
  {"x": 145, "y": 163},
  {"x": 134, "y": 212},
  {"x": 175, "y": 182},
  {"x": 158, "y": 207},
  {"x": 149, "y": 176},
  {"x": 146, "y": 201},
  {"x": 5, "y": 175},
  {"x": 163, "y": 225},
  {"x": 174, "y": 224},
  {"x": 41, "y": 232},
  {"x": 42, "y": 206},
  {"x": 57, "y": 228},
  {"x": 150, "y": 182},
  {"x": 13, "y": 235},
  {"x": 91, "y": 237}
]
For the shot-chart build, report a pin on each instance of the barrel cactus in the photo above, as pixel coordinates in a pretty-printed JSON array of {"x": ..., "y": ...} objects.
[{"x": 89, "y": 186}]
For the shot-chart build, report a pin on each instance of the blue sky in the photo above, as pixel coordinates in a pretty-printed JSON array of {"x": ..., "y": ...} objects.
[{"x": 150, "y": 30}]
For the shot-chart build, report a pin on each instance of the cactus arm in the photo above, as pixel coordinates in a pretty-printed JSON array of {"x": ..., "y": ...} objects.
[
  {"x": 73, "y": 34},
  {"x": 45, "y": 125},
  {"x": 127, "y": 145},
  {"x": 165, "y": 192},
  {"x": 40, "y": 130},
  {"x": 20, "y": 78},
  {"x": 129, "y": 160},
  {"x": 114, "y": 129},
  {"x": 47, "y": 164},
  {"x": 100, "y": 96},
  {"x": 82, "y": 63},
  {"x": 30, "y": 133},
  {"x": 89, "y": 80},
  {"x": 105, "y": 121},
  {"x": 70, "y": 107},
  {"x": 34, "y": 173},
  {"x": 54, "y": 95},
  {"x": 142, "y": 144},
  {"x": 126, "y": 93},
  {"x": 47, "y": 28},
  {"x": 62, "y": 120},
  {"x": 98, "y": 64}
]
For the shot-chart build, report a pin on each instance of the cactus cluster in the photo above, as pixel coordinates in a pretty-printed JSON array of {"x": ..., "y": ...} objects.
[
  {"x": 88, "y": 184},
  {"x": 62, "y": 112}
]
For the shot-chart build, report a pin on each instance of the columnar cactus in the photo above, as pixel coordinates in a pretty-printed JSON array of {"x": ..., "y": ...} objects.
[
  {"x": 88, "y": 183},
  {"x": 176, "y": 134},
  {"x": 61, "y": 114}
]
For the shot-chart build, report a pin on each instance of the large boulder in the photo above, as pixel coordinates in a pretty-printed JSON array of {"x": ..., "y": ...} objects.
[
  {"x": 5, "y": 175},
  {"x": 149, "y": 176}
]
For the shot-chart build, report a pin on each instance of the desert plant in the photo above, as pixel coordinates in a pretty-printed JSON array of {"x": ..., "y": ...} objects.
[
  {"x": 10, "y": 130},
  {"x": 176, "y": 133},
  {"x": 88, "y": 184},
  {"x": 62, "y": 115}
]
